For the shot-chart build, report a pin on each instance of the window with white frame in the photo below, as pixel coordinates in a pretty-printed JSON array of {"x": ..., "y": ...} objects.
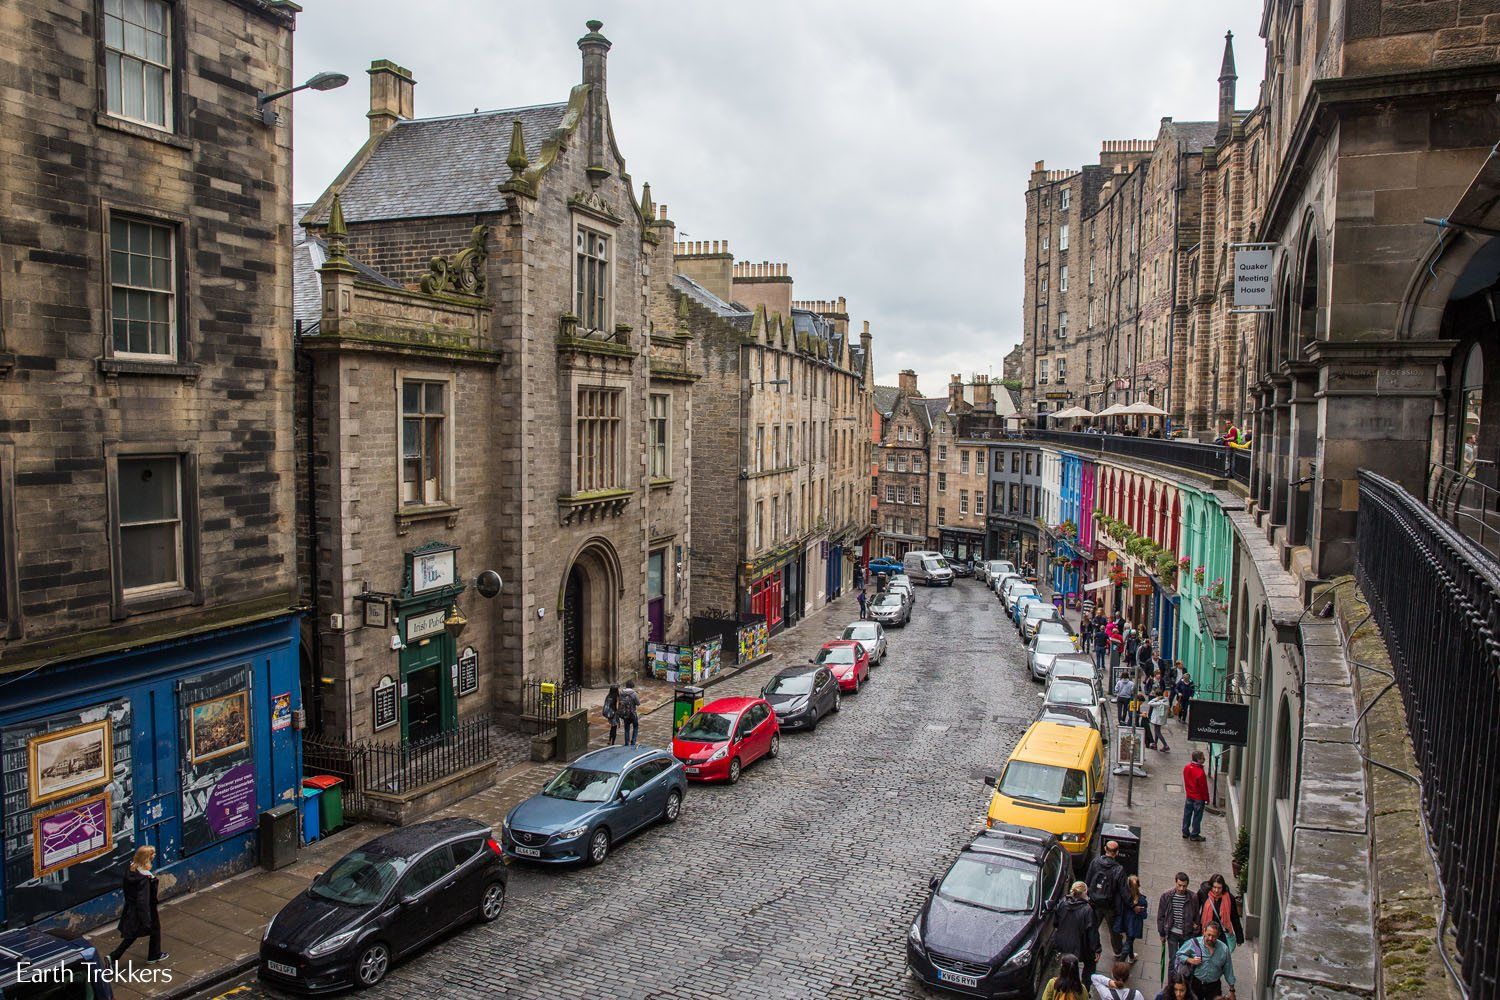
[
  {"x": 424, "y": 414},
  {"x": 775, "y": 518},
  {"x": 138, "y": 61},
  {"x": 1065, "y": 199},
  {"x": 890, "y": 462},
  {"x": 597, "y": 458},
  {"x": 916, "y": 494},
  {"x": 1062, "y": 237},
  {"x": 593, "y": 279},
  {"x": 1042, "y": 371},
  {"x": 963, "y": 502},
  {"x": 659, "y": 426},
  {"x": 143, "y": 288},
  {"x": 963, "y": 461},
  {"x": 942, "y": 515},
  {"x": 890, "y": 494},
  {"x": 979, "y": 462},
  {"x": 916, "y": 463},
  {"x": 1062, "y": 325},
  {"x": 1062, "y": 278},
  {"x": 1062, "y": 370},
  {"x": 150, "y": 530},
  {"x": 760, "y": 525},
  {"x": 978, "y": 503},
  {"x": 942, "y": 453},
  {"x": 901, "y": 494},
  {"x": 942, "y": 482}
]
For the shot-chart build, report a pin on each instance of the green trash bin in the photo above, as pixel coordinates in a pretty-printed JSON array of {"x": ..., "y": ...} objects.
[
  {"x": 330, "y": 803},
  {"x": 688, "y": 700}
]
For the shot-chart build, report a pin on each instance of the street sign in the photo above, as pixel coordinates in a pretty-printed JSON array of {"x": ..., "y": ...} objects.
[
  {"x": 1252, "y": 278},
  {"x": 1225, "y": 722},
  {"x": 1140, "y": 586}
]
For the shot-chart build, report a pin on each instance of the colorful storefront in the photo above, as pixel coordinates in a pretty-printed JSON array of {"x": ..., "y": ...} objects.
[
  {"x": 1072, "y": 537},
  {"x": 180, "y": 745},
  {"x": 1207, "y": 554}
]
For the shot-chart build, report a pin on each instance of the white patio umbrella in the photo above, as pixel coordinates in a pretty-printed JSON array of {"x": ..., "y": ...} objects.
[
  {"x": 1113, "y": 410},
  {"x": 1143, "y": 409},
  {"x": 1073, "y": 413}
]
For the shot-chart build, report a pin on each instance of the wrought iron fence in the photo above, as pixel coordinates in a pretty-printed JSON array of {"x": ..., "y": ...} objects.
[
  {"x": 370, "y": 766},
  {"x": 1464, "y": 500},
  {"x": 1216, "y": 460},
  {"x": 544, "y": 701},
  {"x": 1436, "y": 596}
]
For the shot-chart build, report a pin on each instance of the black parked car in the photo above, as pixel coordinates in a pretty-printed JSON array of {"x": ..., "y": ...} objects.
[
  {"x": 802, "y": 695},
  {"x": 383, "y": 901},
  {"x": 51, "y": 965},
  {"x": 986, "y": 929}
]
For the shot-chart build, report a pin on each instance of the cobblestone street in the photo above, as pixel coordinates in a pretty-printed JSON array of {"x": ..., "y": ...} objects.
[{"x": 801, "y": 880}]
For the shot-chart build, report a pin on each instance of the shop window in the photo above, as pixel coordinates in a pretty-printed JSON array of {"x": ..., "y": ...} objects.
[
  {"x": 424, "y": 446},
  {"x": 138, "y": 61}
]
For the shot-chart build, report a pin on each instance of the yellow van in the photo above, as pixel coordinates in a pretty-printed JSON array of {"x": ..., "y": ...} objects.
[{"x": 1054, "y": 781}]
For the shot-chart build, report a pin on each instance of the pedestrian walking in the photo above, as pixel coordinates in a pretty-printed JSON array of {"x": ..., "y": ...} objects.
[
  {"x": 1156, "y": 716},
  {"x": 1207, "y": 964},
  {"x": 612, "y": 711},
  {"x": 863, "y": 603},
  {"x": 139, "y": 917},
  {"x": 1132, "y": 643},
  {"x": 1130, "y": 922},
  {"x": 1185, "y": 689},
  {"x": 1068, "y": 983},
  {"x": 1116, "y": 985},
  {"x": 1195, "y": 797},
  {"x": 859, "y": 575},
  {"x": 1216, "y": 904},
  {"x": 1106, "y": 885},
  {"x": 1101, "y": 644},
  {"x": 1077, "y": 931},
  {"x": 1124, "y": 691},
  {"x": 630, "y": 713},
  {"x": 1174, "y": 989},
  {"x": 1177, "y": 917}
]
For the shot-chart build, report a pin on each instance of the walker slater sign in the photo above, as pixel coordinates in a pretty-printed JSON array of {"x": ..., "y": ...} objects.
[{"x": 1223, "y": 722}]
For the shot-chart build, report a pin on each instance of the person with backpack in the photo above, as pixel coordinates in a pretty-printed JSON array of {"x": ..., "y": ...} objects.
[
  {"x": 863, "y": 603},
  {"x": 1077, "y": 931},
  {"x": 612, "y": 711},
  {"x": 630, "y": 709},
  {"x": 1106, "y": 889},
  {"x": 1130, "y": 922},
  {"x": 1068, "y": 983},
  {"x": 1101, "y": 645},
  {"x": 1116, "y": 985},
  {"x": 1206, "y": 963}
]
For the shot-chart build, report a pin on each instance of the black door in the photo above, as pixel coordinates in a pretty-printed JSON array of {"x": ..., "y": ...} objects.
[
  {"x": 424, "y": 705},
  {"x": 572, "y": 632}
]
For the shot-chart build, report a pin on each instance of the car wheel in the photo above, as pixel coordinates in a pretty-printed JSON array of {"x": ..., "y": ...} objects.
[
  {"x": 372, "y": 965},
  {"x": 674, "y": 806},
  {"x": 598, "y": 847},
  {"x": 734, "y": 771},
  {"x": 775, "y": 750},
  {"x": 492, "y": 902},
  {"x": 856, "y": 683}
]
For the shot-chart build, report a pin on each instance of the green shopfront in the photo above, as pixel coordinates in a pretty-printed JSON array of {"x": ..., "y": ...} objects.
[
  {"x": 1207, "y": 543},
  {"x": 427, "y": 615}
]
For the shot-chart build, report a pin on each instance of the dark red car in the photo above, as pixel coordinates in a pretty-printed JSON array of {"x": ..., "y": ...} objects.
[
  {"x": 848, "y": 661},
  {"x": 726, "y": 736}
]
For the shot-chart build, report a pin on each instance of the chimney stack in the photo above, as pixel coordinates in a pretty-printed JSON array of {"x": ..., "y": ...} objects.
[
  {"x": 955, "y": 389},
  {"x": 595, "y": 48},
  {"x": 906, "y": 383},
  {"x": 392, "y": 95}
]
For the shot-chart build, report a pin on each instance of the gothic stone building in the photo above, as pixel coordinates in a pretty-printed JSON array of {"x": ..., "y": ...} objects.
[
  {"x": 149, "y": 638},
  {"x": 500, "y": 401}
]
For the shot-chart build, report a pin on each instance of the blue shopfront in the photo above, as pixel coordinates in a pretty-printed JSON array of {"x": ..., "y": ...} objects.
[
  {"x": 178, "y": 744},
  {"x": 833, "y": 569}
]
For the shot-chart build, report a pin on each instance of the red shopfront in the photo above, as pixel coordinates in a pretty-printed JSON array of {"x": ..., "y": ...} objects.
[{"x": 766, "y": 598}]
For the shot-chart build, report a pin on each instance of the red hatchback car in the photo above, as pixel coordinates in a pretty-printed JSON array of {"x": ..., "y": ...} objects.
[
  {"x": 848, "y": 661},
  {"x": 726, "y": 736}
]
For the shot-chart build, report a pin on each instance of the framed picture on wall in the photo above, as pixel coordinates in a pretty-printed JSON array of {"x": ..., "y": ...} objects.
[
  {"x": 218, "y": 726},
  {"x": 69, "y": 834},
  {"x": 69, "y": 761}
]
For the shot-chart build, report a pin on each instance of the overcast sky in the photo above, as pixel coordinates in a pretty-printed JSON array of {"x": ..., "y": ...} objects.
[{"x": 880, "y": 148}]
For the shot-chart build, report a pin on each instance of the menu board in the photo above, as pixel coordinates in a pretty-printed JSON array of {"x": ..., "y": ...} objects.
[
  {"x": 468, "y": 671},
  {"x": 386, "y": 706}
]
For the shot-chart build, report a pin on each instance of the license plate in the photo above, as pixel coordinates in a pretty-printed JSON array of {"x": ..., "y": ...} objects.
[
  {"x": 527, "y": 852},
  {"x": 692, "y": 770},
  {"x": 958, "y": 979},
  {"x": 279, "y": 968}
]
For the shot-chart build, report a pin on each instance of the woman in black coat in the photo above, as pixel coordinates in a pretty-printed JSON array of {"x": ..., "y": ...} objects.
[{"x": 138, "y": 917}]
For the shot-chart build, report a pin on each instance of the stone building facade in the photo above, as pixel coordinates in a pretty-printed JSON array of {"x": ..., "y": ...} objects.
[
  {"x": 902, "y": 460},
  {"x": 147, "y": 575}
]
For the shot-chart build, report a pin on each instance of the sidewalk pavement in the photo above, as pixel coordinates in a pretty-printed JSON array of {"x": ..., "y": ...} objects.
[
  {"x": 1154, "y": 805},
  {"x": 214, "y": 932}
]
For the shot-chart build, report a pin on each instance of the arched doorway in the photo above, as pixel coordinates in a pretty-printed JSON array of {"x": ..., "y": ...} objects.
[{"x": 589, "y": 617}]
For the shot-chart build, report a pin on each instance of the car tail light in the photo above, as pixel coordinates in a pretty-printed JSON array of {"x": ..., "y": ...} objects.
[{"x": 493, "y": 845}]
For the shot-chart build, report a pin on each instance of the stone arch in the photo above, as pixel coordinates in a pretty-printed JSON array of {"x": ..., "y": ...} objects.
[
  {"x": 1309, "y": 291},
  {"x": 1433, "y": 281},
  {"x": 1284, "y": 766},
  {"x": 588, "y": 605}
]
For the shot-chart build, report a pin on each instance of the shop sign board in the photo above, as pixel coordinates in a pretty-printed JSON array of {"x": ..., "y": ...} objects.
[
  {"x": 1252, "y": 277},
  {"x": 1140, "y": 586},
  {"x": 1224, "y": 722},
  {"x": 431, "y": 570},
  {"x": 386, "y": 706},
  {"x": 423, "y": 625},
  {"x": 468, "y": 671}
]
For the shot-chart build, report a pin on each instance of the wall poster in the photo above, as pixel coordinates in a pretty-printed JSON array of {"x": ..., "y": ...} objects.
[
  {"x": 68, "y": 762},
  {"x": 281, "y": 712},
  {"x": 218, "y": 771},
  {"x": 66, "y": 835}
]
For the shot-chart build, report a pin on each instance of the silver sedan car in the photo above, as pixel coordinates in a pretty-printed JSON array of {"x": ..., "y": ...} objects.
[
  {"x": 870, "y": 635},
  {"x": 1043, "y": 649}
]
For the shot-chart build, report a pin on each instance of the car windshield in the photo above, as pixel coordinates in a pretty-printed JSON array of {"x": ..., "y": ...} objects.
[
  {"x": 1070, "y": 693},
  {"x": 360, "y": 878},
  {"x": 838, "y": 654},
  {"x": 790, "y": 684},
  {"x": 580, "y": 784},
  {"x": 1082, "y": 672},
  {"x": 997, "y": 567},
  {"x": 932, "y": 564},
  {"x": 1055, "y": 626},
  {"x": 707, "y": 727},
  {"x": 990, "y": 884},
  {"x": 900, "y": 578},
  {"x": 1044, "y": 783},
  {"x": 888, "y": 601},
  {"x": 1053, "y": 644},
  {"x": 1022, "y": 590},
  {"x": 1041, "y": 610},
  {"x": 865, "y": 631}
]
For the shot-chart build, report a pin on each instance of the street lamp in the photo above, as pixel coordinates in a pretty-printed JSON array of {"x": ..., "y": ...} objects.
[{"x": 319, "y": 81}]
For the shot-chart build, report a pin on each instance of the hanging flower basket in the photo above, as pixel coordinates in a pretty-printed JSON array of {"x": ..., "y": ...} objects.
[{"x": 1199, "y": 575}]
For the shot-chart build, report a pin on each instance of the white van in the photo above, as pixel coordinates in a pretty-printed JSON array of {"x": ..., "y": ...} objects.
[{"x": 929, "y": 568}]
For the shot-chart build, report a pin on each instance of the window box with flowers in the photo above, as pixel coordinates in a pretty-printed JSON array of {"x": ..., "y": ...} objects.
[{"x": 1199, "y": 575}]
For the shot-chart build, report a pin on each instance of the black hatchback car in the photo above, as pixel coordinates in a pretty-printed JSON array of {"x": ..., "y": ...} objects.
[
  {"x": 383, "y": 901},
  {"x": 802, "y": 695},
  {"x": 51, "y": 965},
  {"x": 986, "y": 929}
]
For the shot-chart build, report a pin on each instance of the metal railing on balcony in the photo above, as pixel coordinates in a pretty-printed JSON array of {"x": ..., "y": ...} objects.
[
  {"x": 1436, "y": 596},
  {"x": 1216, "y": 460},
  {"x": 1463, "y": 499}
]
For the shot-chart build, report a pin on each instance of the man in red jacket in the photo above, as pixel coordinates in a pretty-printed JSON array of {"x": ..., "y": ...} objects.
[{"x": 1195, "y": 788}]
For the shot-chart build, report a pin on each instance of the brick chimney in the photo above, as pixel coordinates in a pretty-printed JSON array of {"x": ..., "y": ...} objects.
[
  {"x": 392, "y": 95},
  {"x": 907, "y": 383},
  {"x": 984, "y": 393},
  {"x": 955, "y": 389},
  {"x": 764, "y": 284},
  {"x": 709, "y": 263}
]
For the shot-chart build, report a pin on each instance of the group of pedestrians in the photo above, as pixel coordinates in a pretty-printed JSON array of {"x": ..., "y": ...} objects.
[
  {"x": 1199, "y": 932},
  {"x": 1148, "y": 689},
  {"x": 623, "y": 705}
]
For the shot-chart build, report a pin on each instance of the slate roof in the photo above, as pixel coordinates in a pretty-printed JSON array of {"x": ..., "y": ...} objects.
[
  {"x": 885, "y": 399},
  {"x": 928, "y": 410},
  {"x": 308, "y": 254},
  {"x": 444, "y": 166},
  {"x": 708, "y": 300},
  {"x": 1195, "y": 135}
]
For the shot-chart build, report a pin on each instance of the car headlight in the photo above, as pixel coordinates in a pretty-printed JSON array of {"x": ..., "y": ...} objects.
[
  {"x": 334, "y": 943},
  {"x": 720, "y": 753},
  {"x": 915, "y": 934},
  {"x": 265, "y": 935},
  {"x": 577, "y": 831},
  {"x": 1073, "y": 838},
  {"x": 1019, "y": 959}
]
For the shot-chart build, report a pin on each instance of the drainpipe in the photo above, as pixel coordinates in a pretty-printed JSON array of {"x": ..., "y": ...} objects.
[
  {"x": 1167, "y": 398},
  {"x": 312, "y": 531}
]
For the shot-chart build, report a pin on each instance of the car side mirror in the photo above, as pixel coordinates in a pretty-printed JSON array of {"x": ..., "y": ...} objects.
[
  {"x": 933, "y": 883},
  {"x": 989, "y": 779},
  {"x": 812, "y": 659},
  {"x": 1099, "y": 798},
  {"x": 624, "y": 795}
]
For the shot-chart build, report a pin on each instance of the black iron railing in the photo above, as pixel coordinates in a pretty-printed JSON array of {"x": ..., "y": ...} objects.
[
  {"x": 1215, "y": 460},
  {"x": 1463, "y": 499},
  {"x": 1436, "y": 596},
  {"x": 395, "y": 767},
  {"x": 542, "y": 702}
]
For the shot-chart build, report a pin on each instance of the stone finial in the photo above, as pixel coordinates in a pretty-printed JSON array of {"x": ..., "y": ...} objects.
[
  {"x": 516, "y": 158},
  {"x": 647, "y": 212},
  {"x": 337, "y": 235}
]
